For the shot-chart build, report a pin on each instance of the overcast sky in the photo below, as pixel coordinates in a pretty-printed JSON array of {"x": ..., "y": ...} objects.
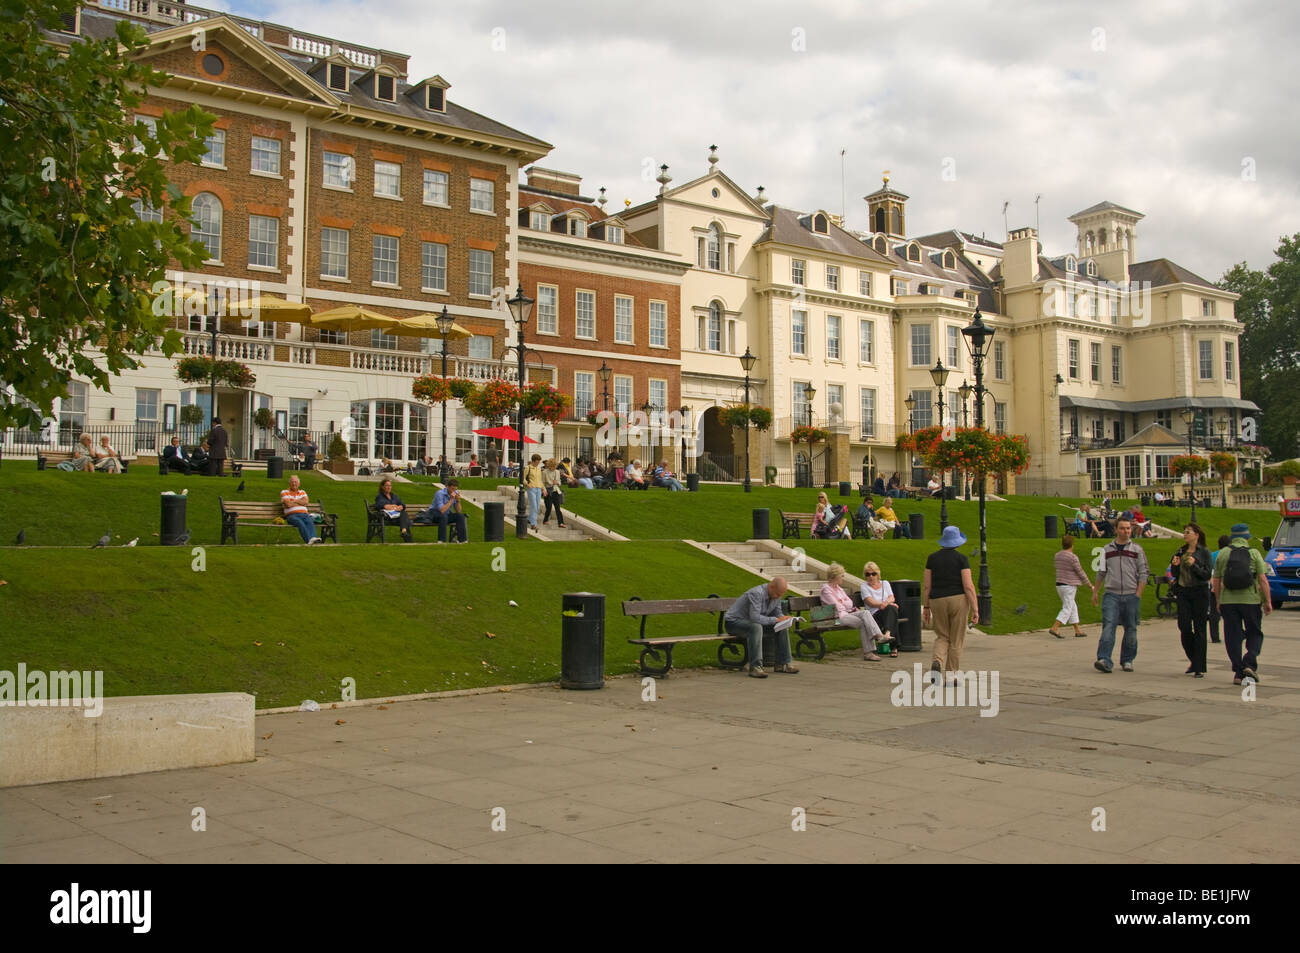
[{"x": 1186, "y": 112}]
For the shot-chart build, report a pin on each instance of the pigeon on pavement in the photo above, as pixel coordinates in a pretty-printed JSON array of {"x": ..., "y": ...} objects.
[
  {"x": 1020, "y": 609},
  {"x": 240, "y": 488},
  {"x": 183, "y": 538},
  {"x": 102, "y": 541}
]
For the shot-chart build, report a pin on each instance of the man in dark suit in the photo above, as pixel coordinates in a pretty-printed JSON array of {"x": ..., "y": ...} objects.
[
  {"x": 218, "y": 442},
  {"x": 176, "y": 458}
]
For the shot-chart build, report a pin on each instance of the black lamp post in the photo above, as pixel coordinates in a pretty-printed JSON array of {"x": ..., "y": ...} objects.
[
  {"x": 1189, "y": 418},
  {"x": 939, "y": 374},
  {"x": 809, "y": 392},
  {"x": 979, "y": 339},
  {"x": 521, "y": 307},
  {"x": 910, "y": 403},
  {"x": 686, "y": 415},
  {"x": 444, "y": 321},
  {"x": 747, "y": 361},
  {"x": 647, "y": 408},
  {"x": 603, "y": 372},
  {"x": 1223, "y": 448},
  {"x": 965, "y": 390}
]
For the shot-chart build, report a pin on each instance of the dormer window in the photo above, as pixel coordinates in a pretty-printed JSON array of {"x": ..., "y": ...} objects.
[
  {"x": 949, "y": 260},
  {"x": 435, "y": 99},
  {"x": 337, "y": 77},
  {"x": 1071, "y": 265},
  {"x": 820, "y": 224},
  {"x": 914, "y": 252},
  {"x": 538, "y": 222},
  {"x": 386, "y": 88},
  {"x": 1092, "y": 268},
  {"x": 577, "y": 228},
  {"x": 881, "y": 245},
  {"x": 614, "y": 234}
]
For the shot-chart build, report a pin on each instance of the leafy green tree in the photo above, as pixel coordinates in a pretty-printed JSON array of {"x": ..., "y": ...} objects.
[
  {"x": 1270, "y": 343},
  {"x": 77, "y": 262}
]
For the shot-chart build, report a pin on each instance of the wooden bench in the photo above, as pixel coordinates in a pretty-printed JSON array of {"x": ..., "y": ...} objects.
[
  {"x": 732, "y": 652},
  {"x": 375, "y": 521},
  {"x": 821, "y": 619},
  {"x": 236, "y": 513},
  {"x": 53, "y": 458},
  {"x": 792, "y": 523}
]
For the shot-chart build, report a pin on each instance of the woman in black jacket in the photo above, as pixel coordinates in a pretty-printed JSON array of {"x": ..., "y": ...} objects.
[{"x": 1191, "y": 567}]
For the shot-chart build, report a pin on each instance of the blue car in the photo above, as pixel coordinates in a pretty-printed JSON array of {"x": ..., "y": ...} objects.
[{"x": 1284, "y": 557}]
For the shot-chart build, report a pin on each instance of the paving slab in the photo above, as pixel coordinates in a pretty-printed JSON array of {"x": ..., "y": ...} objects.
[{"x": 722, "y": 768}]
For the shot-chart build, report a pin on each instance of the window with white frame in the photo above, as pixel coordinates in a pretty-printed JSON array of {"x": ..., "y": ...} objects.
[
  {"x": 622, "y": 319},
  {"x": 332, "y": 336},
  {"x": 334, "y": 252},
  {"x": 866, "y": 341},
  {"x": 1000, "y": 360},
  {"x": 898, "y": 287},
  {"x": 999, "y": 417},
  {"x": 339, "y": 170},
  {"x": 1229, "y": 361},
  {"x": 799, "y": 332},
  {"x": 1207, "y": 308},
  {"x": 584, "y": 393},
  {"x": 480, "y": 347},
  {"x": 480, "y": 272},
  {"x": 864, "y": 284},
  {"x": 954, "y": 347},
  {"x": 433, "y": 266},
  {"x": 622, "y": 394},
  {"x": 834, "y": 395},
  {"x": 299, "y": 417},
  {"x": 799, "y": 404},
  {"x": 1116, "y": 364},
  {"x": 206, "y": 209},
  {"x": 203, "y": 323},
  {"x": 832, "y": 337},
  {"x": 614, "y": 234},
  {"x": 920, "y": 345},
  {"x": 1071, "y": 303},
  {"x": 714, "y": 249},
  {"x": 265, "y": 155},
  {"x": 383, "y": 260},
  {"x": 435, "y": 188},
  {"x": 832, "y": 277},
  {"x": 659, "y": 394},
  {"x": 539, "y": 221},
  {"x": 1093, "y": 306},
  {"x": 146, "y": 418},
  {"x": 1094, "y": 474},
  {"x": 72, "y": 411},
  {"x": 151, "y": 124},
  {"x": 1114, "y": 308},
  {"x": 658, "y": 324},
  {"x": 577, "y": 227},
  {"x": 923, "y": 412},
  {"x": 867, "y": 397},
  {"x": 584, "y": 314},
  {"x": 381, "y": 339},
  {"x": 388, "y": 180},
  {"x": 263, "y": 241},
  {"x": 215, "y": 145},
  {"x": 1094, "y": 361},
  {"x": 482, "y": 195},
  {"x": 1072, "y": 359},
  {"x": 1206, "y": 349},
  {"x": 548, "y": 309},
  {"x": 713, "y": 337},
  {"x": 797, "y": 268},
  {"x": 146, "y": 213},
  {"x": 259, "y": 329}
]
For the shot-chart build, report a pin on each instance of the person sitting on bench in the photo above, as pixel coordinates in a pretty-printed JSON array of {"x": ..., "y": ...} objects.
[
  {"x": 933, "y": 487},
  {"x": 886, "y": 515},
  {"x": 175, "y": 457},
  {"x": 445, "y": 509},
  {"x": 634, "y": 478},
  {"x": 662, "y": 476},
  {"x": 294, "y": 500},
  {"x": 848, "y": 614},
  {"x": 393, "y": 508},
  {"x": 754, "y": 611}
]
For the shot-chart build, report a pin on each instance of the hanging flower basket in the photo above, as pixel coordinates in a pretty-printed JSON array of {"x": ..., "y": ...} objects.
[
  {"x": 809, "y": 435},
  {"x": 760, "y": 418},
  {"x": 543, "y": 402},
  {"x": 493, "y": 400},
  {"x": 199, "y": 370},
  {"x": 1188, "y": 463},
  {"x": 1225, "y": 464},
  {"x": 430, "y": 389}
]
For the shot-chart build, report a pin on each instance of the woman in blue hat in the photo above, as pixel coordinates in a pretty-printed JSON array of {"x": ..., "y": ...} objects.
[{"x": 948, "y": 597}]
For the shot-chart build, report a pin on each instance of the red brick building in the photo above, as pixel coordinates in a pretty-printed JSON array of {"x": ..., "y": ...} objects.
[{"x": 603, "y": 299}]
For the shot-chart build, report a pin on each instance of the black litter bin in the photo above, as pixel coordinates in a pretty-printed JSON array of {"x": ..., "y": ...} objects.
[
  {"x": 908, "y": 594},
  {"x": 494, "y": 521},
  {"x": 1050, "y": 530},
  {"x": 762, "y": 524},
  {"x": 916, "y": 525},
  {"x": 172, "y": 531},
  {"x": 582, "y": 640},
  {"x": 693, "y": 482},
  {"x": 846, "y": 488},
  {"x": 275, "y": 468}
]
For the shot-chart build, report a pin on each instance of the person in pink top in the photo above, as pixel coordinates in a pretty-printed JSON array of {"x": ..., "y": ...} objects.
[
  {"x": 294, "y": 500},
  {"x": 1069, "y": 577},
  {"x": 833, "y": 594}
]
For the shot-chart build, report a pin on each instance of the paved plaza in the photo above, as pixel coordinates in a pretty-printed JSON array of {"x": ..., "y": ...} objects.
[{"x": 721, "y": 767}]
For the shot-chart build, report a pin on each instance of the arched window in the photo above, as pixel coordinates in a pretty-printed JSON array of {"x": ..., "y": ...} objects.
[
  {"x": 206, "y": 230},
  {"x": 881, "y": 220},
  {"x": 1071, "y": 265},
  {"x": 714, "y": 260},
  {"x": 949, "y": 260},
  {"x": 898, "y": 221},
  {"x": 713, "y": 333},
  {"x": 820, "y": 224},
  {"x": 881, "y": 245},
  {"x": 914, "y": 252},
  {"x": 1101, "y": 239},
  {"x": 1092, "y": 268}
]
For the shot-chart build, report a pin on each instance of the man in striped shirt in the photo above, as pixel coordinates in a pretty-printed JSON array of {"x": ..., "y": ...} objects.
[
  {"x": 294, "y": 500},
  {"x": 1123, "y": 574}
]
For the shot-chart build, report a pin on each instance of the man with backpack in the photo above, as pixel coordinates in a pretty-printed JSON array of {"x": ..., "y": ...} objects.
[{"x": 1241, "y": 590}]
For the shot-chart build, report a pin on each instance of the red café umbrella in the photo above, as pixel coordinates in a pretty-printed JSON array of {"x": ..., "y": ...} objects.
[{"x": 503, "y": 433}]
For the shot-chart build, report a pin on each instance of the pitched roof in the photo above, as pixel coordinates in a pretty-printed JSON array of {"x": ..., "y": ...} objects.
[
  {"x": 1155, "y": 435},
  {"x": 1162, "y": 271},
  {"x": 1105, "y": 207},
  {"x": 953, "y": 236},
  {"x": 790, "y": 227}
]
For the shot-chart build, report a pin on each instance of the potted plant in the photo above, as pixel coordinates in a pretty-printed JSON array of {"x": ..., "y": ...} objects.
[
  {"x": 339, "y": 463},
  {"x": 264, "y": 418}
]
